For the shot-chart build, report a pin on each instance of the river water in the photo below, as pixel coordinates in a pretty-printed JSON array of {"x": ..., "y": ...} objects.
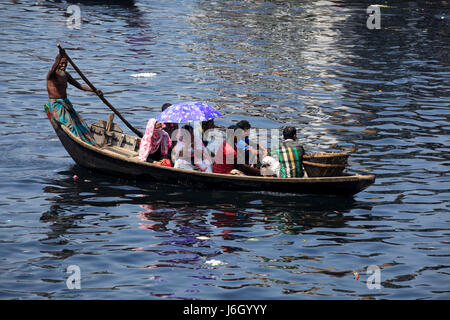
[{"x": 383, "y": 95}]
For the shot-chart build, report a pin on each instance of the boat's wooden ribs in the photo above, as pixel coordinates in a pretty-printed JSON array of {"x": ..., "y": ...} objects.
[
  {"x": 122, "y": 137},
  {"x": 114, "y": 139},
  {"x": 121, "y": 151}
]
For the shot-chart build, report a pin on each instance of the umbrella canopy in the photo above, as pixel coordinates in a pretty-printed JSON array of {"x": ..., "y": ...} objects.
[{"x": 189, "y": 111}]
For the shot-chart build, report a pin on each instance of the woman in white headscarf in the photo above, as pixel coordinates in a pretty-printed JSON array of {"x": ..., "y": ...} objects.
[{"x": 190, "y": 152}]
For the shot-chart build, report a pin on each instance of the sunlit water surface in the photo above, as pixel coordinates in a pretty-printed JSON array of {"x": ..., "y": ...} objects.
[{"x": 382, "y": 95}]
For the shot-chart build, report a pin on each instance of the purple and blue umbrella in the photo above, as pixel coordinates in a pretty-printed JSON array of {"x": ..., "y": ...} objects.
[{"x": 190, "y": 111}]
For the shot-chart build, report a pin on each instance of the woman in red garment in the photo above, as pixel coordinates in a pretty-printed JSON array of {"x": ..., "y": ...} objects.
[{"x": 227, "y": 159}]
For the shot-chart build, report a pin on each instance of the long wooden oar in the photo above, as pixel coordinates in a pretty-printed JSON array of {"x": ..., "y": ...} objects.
[{"x": 100, "y": 96}]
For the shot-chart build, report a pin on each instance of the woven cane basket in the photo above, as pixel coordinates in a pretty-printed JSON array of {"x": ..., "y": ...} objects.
[
  {"x": 330, "y": 164},
  {"x": 329, "y": 158},
  {"x": 323, "y": 169}
]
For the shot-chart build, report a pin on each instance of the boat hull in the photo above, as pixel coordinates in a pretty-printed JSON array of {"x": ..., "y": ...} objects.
[{"x": 101, "y": 160}]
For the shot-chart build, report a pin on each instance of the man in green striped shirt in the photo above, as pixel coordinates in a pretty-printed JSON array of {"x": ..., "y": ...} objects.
[{"x": 290, "y": 154}]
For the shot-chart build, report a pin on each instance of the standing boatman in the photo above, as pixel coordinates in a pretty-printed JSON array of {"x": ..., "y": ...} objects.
[{"x": 59, "y": 106}]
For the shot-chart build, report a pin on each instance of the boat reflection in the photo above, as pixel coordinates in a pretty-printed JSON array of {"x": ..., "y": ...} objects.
[
  {"x": 122, "y": 3},
  {"x": 160, "y": 204},
  {"x": 173, "y": 228}
]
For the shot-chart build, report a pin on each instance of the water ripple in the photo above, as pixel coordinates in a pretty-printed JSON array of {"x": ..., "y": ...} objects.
[{"x": 383, "y": 96}]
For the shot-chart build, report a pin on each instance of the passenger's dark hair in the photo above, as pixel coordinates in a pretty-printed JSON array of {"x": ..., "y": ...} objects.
[
  {"x": 165, "y": 106},
  {"x": 230, "y": 132},
  {"x": 243, "y": 124},
  {"x": 289, "y": 133}
]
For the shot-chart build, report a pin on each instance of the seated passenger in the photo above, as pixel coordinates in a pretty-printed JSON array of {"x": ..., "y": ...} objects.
[
  {"x": 155, "y": 143},
  {"x": 227, "y": 159},
  {"x": 190, "y": 153},
  {"x": 211, "y": 136},
  {"x": 252, "y": 150},
  {"x": 207, "y": 125},
  {"x": 169, "y": 127},
  {"x": 289, "y": 155}
]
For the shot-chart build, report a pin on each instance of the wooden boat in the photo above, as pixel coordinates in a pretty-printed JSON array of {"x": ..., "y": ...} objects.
[{"x": 118, "y": 155}]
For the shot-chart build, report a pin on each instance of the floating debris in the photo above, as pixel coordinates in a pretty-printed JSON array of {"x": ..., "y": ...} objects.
[
  {"x": 384, "y": 6},
  {"x": 144, "y": 75},
  {"x": 214, "y": 262}
]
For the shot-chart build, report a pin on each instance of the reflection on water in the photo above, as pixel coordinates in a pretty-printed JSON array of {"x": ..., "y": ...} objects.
[
  {"x": 177, "y": 232},
  {"x": 382, "y": 95},
  {"x": 121, "y": 3}
]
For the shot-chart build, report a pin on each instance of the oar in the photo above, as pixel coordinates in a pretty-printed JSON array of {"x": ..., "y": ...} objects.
[{"x": 100, "y": 96}]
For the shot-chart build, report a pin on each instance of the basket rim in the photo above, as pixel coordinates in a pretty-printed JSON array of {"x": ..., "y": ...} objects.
[
  {"x": 324, "y": 165},
  {"x": 325, "y": 154}
]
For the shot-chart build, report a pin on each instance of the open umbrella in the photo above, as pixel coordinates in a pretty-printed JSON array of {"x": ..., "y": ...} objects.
[{"x": 189, "y": 111}]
